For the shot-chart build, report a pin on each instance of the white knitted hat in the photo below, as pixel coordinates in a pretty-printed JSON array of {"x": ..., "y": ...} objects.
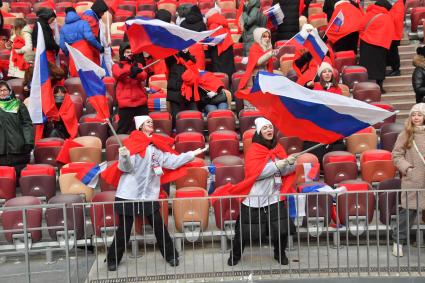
[
  {"x": 139, "y": 120},
  {"x": 323, "y": 67},
  {"x": 260, "y": 123},
  {"x": 419, "y": 107}
]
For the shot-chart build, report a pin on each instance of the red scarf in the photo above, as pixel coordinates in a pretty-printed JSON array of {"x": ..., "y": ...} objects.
[
  {"x": 218, "y": 20},
  {"x": 255, "y": 161},
  {"x": 18, "y": 59},
  {"x": 137, "y": 144},
  {"x": 255, "y": 53}
]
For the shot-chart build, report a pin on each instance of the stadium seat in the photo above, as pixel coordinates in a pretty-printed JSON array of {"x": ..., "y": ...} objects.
[
  {"x": 291, "y": 144},
  {"x": 367, "y": 92},
  {"x": 224, "y": 78},
  {"x": 222, "y": 119},
  {"x": 247, "y": 140},
  {"x": 94, "y": 129},
  {"x": 196, "y": 176},
  {"x": 146, "y": 14},
  {"x": 159, "y": 81},
  {"x": 247, "y": 118},
  {"x": 307, "y": 168},
  {"x": 356, "y": 207},
  {"x": 46, "y": 150},
  {"x": 387, "y": 201},
  {"x": 161, "y": 122},
  {"x": 417, "y": 16},
  {"x": 353, "y": 74},
  {"x": 122, "y": 15},
  {"x": 112, "y": 147},
  {"x": 103, "y": 216},
  {"x": 315, "y": 8},
  {"x": 339, "y": 166},
  {"x": 228, "y": 174},
  {"x": 7, "y": 183},
  {"x": 146, "y": 5},
  {"x": 189, "y": 141},
  {"x": 286, "y": 62},
  {"x": 227, "y": 4},
  {"x": 344, "y": 58},
  {"x": 91, "y": 151},
  {"x": 238, "y": 49},
  {"x": 38, "y": 181},
  {"x": 60, "y": 7},
  {"x": 319, "y": 21},
  {"x": 74, "y": 218},
  {"x": 169, "y": 5},
  {"x": 14, "y": 220},
  {"x": 391, "y": 128},
  {"x": 223, "y": 143},
  {"x": 376, "y": 165},
  {"x": 190, "y": 210},
  {"x": 362, "y": 140},
  {"x": 20, "y": 7},
  {"x": 69, "y": 184},
  {"x": 239, "y": 66},
  {"x": 189, "y": 121}
]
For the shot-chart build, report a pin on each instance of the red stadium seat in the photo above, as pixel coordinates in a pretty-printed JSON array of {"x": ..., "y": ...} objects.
[
  {"x": 38, "y": 181},
  {"x": 189, "y": 141},
  {"x": 7, "y": 183},
  {"x": 307, "y": 168},
  {"x": 339, "y": 166},
  {"x": 46, "y": 150},
  {"x": 247, "y": 140},
  {"x": 367, "y": 92},
  {"x": 196, "y": 176},
  {"x": 376, "y": 165},
  {"x": 223, "y": 143},
  {"x": 353, "y": 74},
  {"x": 221, "y": 120},
  {"x": 291, "y": 144},
  {"x": 247, "y": 118},
  {"x": 112, "y": 147},
  {"x": 161, "y": 122},
  {"x": 345, "y": 58},
  {"x": 388, "y": 201},
  {"x": 94, "y": 129},
  {"x": 189, "y": 121}
]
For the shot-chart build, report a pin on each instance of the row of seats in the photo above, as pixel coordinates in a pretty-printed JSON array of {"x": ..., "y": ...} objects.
[{"x": 190, "y": 210}]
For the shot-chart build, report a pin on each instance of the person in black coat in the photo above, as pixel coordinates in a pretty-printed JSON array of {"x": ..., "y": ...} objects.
[
  {"x": 176, "y": 101},
  {"x": 291, "y": 24},
  {"x": 45, "y": 17},
  {"x": 328, "y": 8},
  {"x": 194, "y": 20},
  {"x": 418, "y": 76}
]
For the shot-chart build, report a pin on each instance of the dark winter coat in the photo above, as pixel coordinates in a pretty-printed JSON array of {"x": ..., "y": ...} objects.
[
  {"x": 175, "y": 72},
  {"x": 16, "y": 131},
  {"x": 290, "y": 25},
  {"x": 418, "y": 77},
  {"x": 194, "y": 20}
]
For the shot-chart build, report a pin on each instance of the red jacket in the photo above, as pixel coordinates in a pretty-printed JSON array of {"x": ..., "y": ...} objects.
[
  {"x": 218, "y": 20},
  {"x": 397, "y": 13},
  {"x": 380, "y": 31},
  {"x": 351, "y": 21},
  {"x": 129, "y": 92},
  {"x": 333, "y": 89},
  {"x": 197, "y": 50}
]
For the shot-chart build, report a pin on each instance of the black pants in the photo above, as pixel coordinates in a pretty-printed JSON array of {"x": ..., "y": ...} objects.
[
  {"x": 253, "y": 222},
  {"x": 348, "y": 42},
  {"x": 176, "y": 107},
  {"x": 126, "y": 121},
  {"x": 393, "y": 57},
  {"x": 163, "y": 239}
]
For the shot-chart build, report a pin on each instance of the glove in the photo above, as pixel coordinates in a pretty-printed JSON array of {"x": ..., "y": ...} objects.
[
  {"x": 211, "y": 94},
  {"x": 134, "y": 71},
  {"x": 123, "y": 151},
  {"x": 102, "y": 49},
  {"x": 28, "y": 148},
  {"x": 290, "y": 160}
]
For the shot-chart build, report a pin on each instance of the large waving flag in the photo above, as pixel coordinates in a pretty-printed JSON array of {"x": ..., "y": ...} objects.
[
  {"x": 311, "y": 115},
  {"x": 41, "y": 96},
  {"x": 274, "y": 16},
  {"x": 161, "y": 39},
  {"x": 91, "y": 78}
]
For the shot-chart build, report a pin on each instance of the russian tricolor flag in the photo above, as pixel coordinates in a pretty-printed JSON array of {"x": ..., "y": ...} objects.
[
  {"x": 338, "y": 21},
  {"x": 316, "y": 46},
  {"x": 274, "y": 16},
  {"x": 213, "y": 40},
  {"x": 41, "y": 96},
  {"x": 310, "y": 115},
  {"x": 161, "y": 39},
  {"x": 90, "y": 176},
  {"x": 91, "y": 78}
]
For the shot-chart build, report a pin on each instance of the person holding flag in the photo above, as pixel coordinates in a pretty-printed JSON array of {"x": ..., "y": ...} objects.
[
  {"x": 130, "y": 93},
  {"x": 344, "y": 26},
  {"x": 269, "y": 173},
  {"x": 141, "y": 162},
  {"x": 376, "y": 35},
  {"x": 46, "y": 16}
]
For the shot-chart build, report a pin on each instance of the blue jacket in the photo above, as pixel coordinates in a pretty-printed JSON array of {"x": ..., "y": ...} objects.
[{"x": 76, "y": 29}]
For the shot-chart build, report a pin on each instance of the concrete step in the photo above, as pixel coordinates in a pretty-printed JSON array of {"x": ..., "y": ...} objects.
[
  {"x": 408, "y": 48},
  {"x": 406, "y": 62},
  {"x": 398, "y": 87},
  {"x": 397, "y": 96},
  {"x": 402, "y": 115},
  {"x": 404, "y": 79},
  {"x": 405, "y": 70},
  {"x": 405, "y": 104},
  {"x": 407, "y": 55}
]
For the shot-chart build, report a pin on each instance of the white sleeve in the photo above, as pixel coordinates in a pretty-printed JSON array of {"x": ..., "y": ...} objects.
[
  {"x": 126, "y": 163},
  {"x": 172, "y": 161}
]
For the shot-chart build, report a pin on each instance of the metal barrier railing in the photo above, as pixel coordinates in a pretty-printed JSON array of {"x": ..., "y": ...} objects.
[{"x": 314, "y": 234}]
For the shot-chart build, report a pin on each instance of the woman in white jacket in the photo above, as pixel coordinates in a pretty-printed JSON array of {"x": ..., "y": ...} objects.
[
  {"x": 20, "y": 43},
  {"x": 140, "y": 183}
]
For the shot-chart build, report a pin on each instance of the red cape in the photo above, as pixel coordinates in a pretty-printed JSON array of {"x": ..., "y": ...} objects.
[
  {"x": 256, "y": 159},
  {"x": 380, "y": 31},
  {"x": 255, "y": 52},
  {"x": 218, "y": 20},
  {"x": 137, "y": 144},
  {"x": 197, "y": 51},
  {"x": 352, "y": 16},
  {"x": 18, "y": 59}
]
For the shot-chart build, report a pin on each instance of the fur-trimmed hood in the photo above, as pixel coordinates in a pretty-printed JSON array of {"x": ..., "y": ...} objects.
[{"x": 419, "y": 61}]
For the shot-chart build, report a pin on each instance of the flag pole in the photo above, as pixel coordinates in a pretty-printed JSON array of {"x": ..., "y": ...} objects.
[
  {"x": 308, "y": 149},
  {"x": 150, "y": 64},
  {"x": 329, "y": 26},
  {"x": 113, "y": 132}
]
